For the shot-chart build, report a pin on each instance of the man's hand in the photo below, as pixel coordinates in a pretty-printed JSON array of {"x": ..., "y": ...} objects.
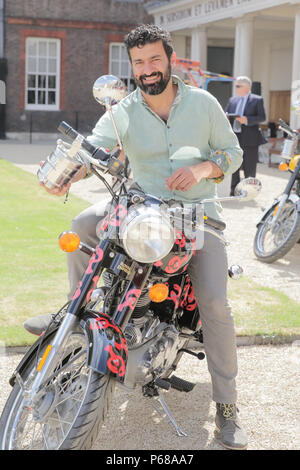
[
  {"x": 242, "y": 119},
  {"x": 65, "y": 188},
  {"x": 186, "y": 177}
]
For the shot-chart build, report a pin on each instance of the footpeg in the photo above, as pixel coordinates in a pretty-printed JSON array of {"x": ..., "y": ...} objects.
[
  {"x": 180, "y": 384},
  {"x": 163, "y": 383}
]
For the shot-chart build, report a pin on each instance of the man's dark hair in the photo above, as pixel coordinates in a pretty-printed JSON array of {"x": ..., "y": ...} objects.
[{"x": 147, "y": 33}]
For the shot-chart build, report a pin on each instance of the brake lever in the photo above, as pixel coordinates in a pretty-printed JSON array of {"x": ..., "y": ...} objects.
[{"x": 204, "y": 228}]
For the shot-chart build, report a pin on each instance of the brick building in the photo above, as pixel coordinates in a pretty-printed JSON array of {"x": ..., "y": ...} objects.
[{"x": 54, "y": 50}]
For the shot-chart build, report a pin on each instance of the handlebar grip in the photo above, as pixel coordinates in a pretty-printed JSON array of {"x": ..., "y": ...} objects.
[
  {"x": 64, "y": 128},
  {"x": 218, "y": 224},
  {"x": 288, "y": 130},
  {"x": 282, "y": 122}
]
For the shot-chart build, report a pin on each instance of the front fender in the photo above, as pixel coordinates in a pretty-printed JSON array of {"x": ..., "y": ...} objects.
[
  {"x": 108, "y": 351},
  {"x": 31, "y": 352},
  {"x": 264, "y": 216}
]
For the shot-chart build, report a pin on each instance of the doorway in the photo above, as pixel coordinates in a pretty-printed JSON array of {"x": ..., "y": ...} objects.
[
  {"x": 220, "y": 60},
  {"x": 280, "y": 105}
]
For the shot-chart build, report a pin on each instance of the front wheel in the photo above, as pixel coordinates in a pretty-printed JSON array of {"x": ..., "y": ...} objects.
[
  {"x": 271, "y": 244},
  {"x": 70, "y": 411}
]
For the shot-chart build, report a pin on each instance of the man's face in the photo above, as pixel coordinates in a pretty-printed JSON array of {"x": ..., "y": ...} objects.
[
  {"x": 241, "y": 89},
  {"x": 151, "y": 67}
]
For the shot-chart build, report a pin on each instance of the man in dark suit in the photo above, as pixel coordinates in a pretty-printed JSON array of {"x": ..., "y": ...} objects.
[{"x": 246, "y": 111}]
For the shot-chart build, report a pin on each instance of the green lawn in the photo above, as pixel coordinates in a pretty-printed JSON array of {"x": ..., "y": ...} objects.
[
  {"x": 262, "y": 311},
  {"x": 33, "y": 278},
  {"x": 33, "y": 274}
]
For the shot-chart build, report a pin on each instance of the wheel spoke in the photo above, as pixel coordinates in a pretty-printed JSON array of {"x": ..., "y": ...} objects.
[
  {"x": 59, "y": 419},
  {"x": 69, "y": 398},
  {"x": 45, "y": 440}
]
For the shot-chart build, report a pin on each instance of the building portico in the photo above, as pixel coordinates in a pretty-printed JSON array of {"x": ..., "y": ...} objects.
[{"x": 256, "y": 38}]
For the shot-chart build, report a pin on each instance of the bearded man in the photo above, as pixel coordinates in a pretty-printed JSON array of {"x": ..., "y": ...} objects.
[{"x": 180, "y": 144}]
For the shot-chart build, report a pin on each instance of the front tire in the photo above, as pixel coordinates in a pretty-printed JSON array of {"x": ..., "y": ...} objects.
[
  {"x": 271, "y": 245},
  {"x": 71, "y": 411}
]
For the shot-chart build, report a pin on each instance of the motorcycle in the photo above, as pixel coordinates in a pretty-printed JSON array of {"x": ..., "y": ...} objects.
[
  {"x": 278, "y": 230},
  {"x": 131, "y": 319}
]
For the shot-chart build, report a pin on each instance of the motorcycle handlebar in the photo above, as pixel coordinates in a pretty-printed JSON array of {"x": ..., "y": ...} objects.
[
  {"x": 214, "y": 223},
  {"x": 286, "y": 128},
  {"x": 64, "y": 128},
  {"x": 67, "y": 130},
  {"x": 218, "y": 224},
  {"x": 100, "y": 157}
]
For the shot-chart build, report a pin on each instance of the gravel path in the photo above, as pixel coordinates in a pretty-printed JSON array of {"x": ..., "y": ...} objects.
[{"x": 268, "y": 385}]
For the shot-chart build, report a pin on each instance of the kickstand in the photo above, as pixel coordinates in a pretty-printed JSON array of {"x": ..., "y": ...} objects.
[{"x": 166, "y": 409}]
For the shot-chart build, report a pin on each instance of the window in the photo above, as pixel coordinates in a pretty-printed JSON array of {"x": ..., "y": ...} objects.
[
  {"x": 42, "y": 74},
  {"x": 119, "y": 65}
]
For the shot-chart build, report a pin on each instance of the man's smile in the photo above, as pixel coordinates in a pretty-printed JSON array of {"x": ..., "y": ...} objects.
[{"x": 151, "y": 78}]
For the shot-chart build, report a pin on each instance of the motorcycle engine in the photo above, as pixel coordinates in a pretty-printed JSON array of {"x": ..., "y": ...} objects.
[
  {"x": 140, "y": 322},
  {"x": 152, "y": 344}
]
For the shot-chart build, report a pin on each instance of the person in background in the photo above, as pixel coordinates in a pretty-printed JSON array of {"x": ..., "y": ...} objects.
[{"x": 245, "y": 111}]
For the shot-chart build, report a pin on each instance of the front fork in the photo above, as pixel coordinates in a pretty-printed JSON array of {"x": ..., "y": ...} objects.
[
  {"x": 47, "y": 363},
  {"x": 103, "y": 256},
  {"x": 278, "y": 210}
]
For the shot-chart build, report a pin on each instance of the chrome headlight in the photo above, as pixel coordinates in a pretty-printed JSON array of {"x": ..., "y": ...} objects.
[{"x": 147, "y": 234}]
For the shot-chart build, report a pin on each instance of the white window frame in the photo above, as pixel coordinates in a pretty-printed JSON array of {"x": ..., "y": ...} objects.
[
  {"x": 128, "y": 79},
  {"x": 36, "y": 106}
]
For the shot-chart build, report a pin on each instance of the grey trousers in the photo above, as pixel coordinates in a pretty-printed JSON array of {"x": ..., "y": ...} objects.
[{"x": 208, "y": 273}]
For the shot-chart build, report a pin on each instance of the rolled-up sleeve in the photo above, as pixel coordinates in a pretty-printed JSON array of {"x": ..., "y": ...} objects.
[{"x": 225, "y": 149}]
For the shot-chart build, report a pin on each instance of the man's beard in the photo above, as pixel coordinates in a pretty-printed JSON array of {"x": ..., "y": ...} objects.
[{"x": 154, "y": 88}]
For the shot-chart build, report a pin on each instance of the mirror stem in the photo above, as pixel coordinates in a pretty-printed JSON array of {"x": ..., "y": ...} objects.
[
  {"x": 108, "y": 108},
  {"x": 223, "y": 199}
]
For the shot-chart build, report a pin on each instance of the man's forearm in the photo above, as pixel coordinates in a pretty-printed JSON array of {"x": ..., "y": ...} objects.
[{"x": 208, "y": 170}]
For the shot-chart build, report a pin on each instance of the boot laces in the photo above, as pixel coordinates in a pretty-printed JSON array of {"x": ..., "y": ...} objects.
[{"x": 228, "y": 410}]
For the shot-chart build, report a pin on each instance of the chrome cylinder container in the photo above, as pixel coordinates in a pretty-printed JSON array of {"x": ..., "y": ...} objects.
[{"x": 59, "y": 168}]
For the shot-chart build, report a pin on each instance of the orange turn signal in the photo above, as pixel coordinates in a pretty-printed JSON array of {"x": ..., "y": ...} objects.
[
  {"x": 45, "y": 355},
  {"x": 69, "y": 241},
  {"x": 283, "y": 166},
  {"x": 276, "y": 209},
  {"x": 158, "y": 292}
]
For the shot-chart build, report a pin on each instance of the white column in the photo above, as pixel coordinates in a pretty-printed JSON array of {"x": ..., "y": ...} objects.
[
  {"x": 295, "y": 94},
  {"x": 199, "y": 47},
  {"x": 1, "y": 29},
  {"x": 243, "y": 49},
  {"x": 265, "y": 73}
]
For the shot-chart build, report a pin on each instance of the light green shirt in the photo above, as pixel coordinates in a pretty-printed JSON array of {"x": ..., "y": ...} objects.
[{"x": 197, "y": 130}]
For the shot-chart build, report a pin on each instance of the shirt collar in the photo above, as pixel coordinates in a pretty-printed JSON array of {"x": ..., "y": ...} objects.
[{"x": 246, "y": 97}]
